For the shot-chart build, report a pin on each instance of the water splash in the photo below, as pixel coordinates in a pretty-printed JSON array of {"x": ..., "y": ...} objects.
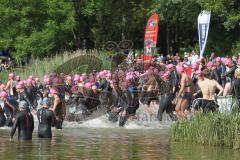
[{"x": 144, "y": 120}]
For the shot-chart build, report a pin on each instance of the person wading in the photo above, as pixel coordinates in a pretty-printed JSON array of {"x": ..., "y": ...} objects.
[
  {"x": 184, "y": 95},
  {"x": 10, "y": 106},
  {"x": 24, "y": 123},
  {"x": 46, "y": 119},
  {"x": 57, "y": 107}
]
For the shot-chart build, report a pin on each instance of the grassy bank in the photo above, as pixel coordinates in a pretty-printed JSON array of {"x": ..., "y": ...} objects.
[
  {"x": 212, "y": 129},
  {"x": 39, "y": 67}
]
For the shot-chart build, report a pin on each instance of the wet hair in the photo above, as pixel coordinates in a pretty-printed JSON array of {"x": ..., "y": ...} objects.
[{"x": 206, "y": 73}]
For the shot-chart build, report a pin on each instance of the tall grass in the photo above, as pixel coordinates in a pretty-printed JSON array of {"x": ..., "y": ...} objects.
[
  {"x": 39, "y": 67},
  {"x": 213, "y": 129}
]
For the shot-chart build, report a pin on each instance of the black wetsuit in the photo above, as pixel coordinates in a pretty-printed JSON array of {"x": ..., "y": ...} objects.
[
  {"x": 10, "y": 108},
  {"x": 230, "y": 74},
  {"x": 134, "y": 105},
  {"x": 25, "y": 124},
  {"x": 23, "y": 96},
  {"x": 92, "y": 101},
  {"x": 235, "y": 90},
  {"x": 222, "y": 69},
  {"x": 125, "y": 103},
  {"x": 206, "y": 105},
  {"x": 215, "y": 75},
  {"x": 174, "y": 80},
  {"x": 2, "y": 117},
  {"x": 165, "y": 104},
  {"x": 46, "y": 119}
]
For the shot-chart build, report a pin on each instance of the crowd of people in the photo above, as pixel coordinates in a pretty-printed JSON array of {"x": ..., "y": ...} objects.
[
  {"x": 6, "y": 64},
  {"x": 173, "y": 82}
]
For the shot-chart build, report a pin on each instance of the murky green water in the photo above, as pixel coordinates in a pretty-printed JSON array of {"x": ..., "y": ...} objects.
[{"x": 83, "y": 143}]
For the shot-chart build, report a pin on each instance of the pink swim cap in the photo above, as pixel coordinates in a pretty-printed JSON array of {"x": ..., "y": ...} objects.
[
  {"x": 33, "y": 82},
  {"x": 76, "y": 78},
  {"x": 223, "y": 60},
  {"x": 21, "y": 83},
  {"x": 198, "y": 72},
  {"x": 29, "y": 81},
  {"x": 166, "y": 75},
  {"x": 218, "y": 59},
  {"x": 53, "y": 91},
  {"x": 3, "y": 94},
  {"x": 18, "y": 86},
  {"x": 210, "y": 64},
  {"x": 108, "y": 74},
  {"x": 180, "y": 69},
  {"x": 129, "y": 77},
  {"x": 88, "y": 85},
  {"x": 69, "y": 78}
]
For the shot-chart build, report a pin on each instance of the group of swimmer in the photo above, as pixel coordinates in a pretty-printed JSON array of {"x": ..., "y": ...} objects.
[{"x": 173, "y": 83}]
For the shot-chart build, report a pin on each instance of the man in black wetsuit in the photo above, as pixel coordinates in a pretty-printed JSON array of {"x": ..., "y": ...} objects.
[
  {"x": 46, "y": 119},
  {"x": 24, "y": 122},
  {"x": 23, "y": 96}
]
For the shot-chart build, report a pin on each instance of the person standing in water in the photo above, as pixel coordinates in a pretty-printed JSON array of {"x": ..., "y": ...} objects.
[
  {"x": 24, "y": 122},
  {"x": 46, "y": 119},
  {"x": 57, "y": 107},
  {"x": 10, "y": 106}
]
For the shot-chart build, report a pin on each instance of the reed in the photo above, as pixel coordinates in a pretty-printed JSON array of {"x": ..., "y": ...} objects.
[
  {"x": 222, "y": 129},
  {"x": 38, "y": 67}
]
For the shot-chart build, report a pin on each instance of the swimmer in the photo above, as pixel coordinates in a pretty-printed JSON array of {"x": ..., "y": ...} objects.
[
  {"x": 208, "y": 89},
  {"x": 24, "y": 122},
  {"x": 46, "y": 119}
]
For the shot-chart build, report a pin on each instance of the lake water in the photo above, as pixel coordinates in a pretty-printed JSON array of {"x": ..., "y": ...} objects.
[{"x": 109, "y": 143}]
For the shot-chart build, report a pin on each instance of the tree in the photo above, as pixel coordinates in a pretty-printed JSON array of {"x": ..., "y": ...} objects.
[
  {"x": 227, "y": 10},
  {"x": 39, "y": 27}
]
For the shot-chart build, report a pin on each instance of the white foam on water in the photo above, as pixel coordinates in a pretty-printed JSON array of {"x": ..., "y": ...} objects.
[{"x": 144, "y": 121}]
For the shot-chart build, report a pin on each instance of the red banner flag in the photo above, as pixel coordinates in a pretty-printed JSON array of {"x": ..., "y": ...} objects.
[{"x": 150, "y": 38}]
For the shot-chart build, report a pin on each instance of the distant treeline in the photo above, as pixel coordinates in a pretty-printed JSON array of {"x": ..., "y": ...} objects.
[{"x": 44, "y": 27}]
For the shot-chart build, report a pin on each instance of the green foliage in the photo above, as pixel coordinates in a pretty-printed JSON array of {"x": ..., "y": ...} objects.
[
  {"x": 236, "y": 48},
  {"x": 44, "y": 27},
  {"x": 227, "y": 10},
  {"x": 212, "y": 129},
  {"x": 36, "y": 27}
]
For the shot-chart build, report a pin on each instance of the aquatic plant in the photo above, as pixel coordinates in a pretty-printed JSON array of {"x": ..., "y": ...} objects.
[{"x": 221, "y": 129}]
